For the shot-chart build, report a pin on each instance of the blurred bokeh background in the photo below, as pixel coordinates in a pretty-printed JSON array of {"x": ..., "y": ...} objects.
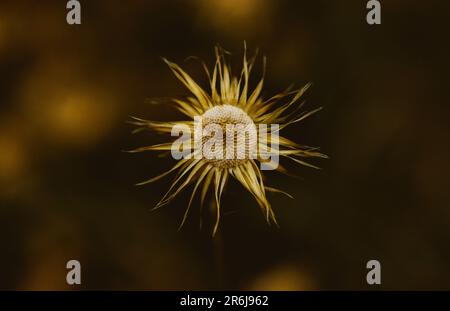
[{"x": 67, "y": 189}]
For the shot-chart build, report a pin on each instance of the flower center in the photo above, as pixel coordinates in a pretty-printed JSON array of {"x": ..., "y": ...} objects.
[{"x": 228, "y": 136}]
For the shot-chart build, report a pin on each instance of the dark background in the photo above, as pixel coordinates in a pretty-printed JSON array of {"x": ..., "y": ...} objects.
[{"x": 67, "y": 191}]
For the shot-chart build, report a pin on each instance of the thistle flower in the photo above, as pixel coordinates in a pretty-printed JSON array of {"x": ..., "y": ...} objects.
[{"x": 229, "y": 102}]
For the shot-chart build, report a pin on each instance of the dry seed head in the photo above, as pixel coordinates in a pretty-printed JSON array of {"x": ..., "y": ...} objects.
[
  {"x": 231, "y": 101},
  {"x": 237, "y": 141}
]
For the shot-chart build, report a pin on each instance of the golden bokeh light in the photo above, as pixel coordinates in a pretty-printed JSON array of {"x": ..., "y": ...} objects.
[
  {"x": 63, "y": 109},
  {"x": 78, "y": 119},
  {"x": 233, "y": 17},
  {"x": 12, "y": 156},
  {"x": 284, "y": 277}
]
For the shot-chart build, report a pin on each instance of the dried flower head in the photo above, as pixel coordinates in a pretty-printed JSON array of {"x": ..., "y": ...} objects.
[{"x": 210, "y": 157}]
